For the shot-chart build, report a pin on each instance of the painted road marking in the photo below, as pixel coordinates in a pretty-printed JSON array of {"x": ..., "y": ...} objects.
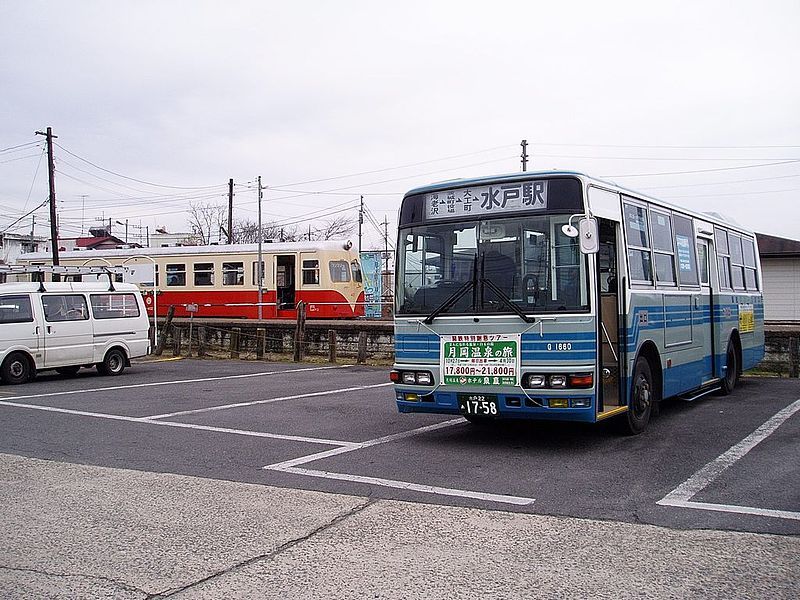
[
  {"x": 293, "y": 467},
  {"x": 195, "y": 411},
  {"x": 146, "y": 420},
  {"x": 177, "y": 382},
  {"x": 682, "y": 495}
]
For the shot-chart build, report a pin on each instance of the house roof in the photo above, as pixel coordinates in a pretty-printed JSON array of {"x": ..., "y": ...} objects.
[{"x": 777, "y": 247}]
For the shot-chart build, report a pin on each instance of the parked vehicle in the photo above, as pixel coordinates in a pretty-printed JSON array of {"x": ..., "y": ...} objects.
[{"x": 66, "y": 326}]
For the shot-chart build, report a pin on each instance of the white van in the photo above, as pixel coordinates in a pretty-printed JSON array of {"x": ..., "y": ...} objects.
[{"x": 66, "y": 326}]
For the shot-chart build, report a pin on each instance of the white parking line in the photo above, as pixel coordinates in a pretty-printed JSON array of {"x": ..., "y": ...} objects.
[
  {"x": 195, "y": 411},
  {"x": 146, "y": 420},
  {"x": 292, "y": 466},
  {"x": 682, "y": 495},
  {"x": 177, "y": 382}
]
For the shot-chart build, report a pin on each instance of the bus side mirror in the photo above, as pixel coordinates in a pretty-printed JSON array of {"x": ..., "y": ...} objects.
[{"x": 588, "y": 235}]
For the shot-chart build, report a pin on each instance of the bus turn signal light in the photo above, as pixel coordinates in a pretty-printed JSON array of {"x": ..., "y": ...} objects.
[{"x": 581, "y": 380}]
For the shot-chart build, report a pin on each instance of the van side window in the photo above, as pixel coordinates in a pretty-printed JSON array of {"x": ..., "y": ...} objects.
[
  {"x": 114, "y": 306},
  {"x": 66, "y": 307},
  {"x": 15, "y": 309}
]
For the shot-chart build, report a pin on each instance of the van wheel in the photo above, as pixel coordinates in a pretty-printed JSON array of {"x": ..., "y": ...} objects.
[
  {"x": 731, "y": 370},
  {"x": 113, "y": 363},
  {"x": 16, "y": 369},
  {"x": 643, "y": 398},
  {"x": 68, "y": 371}
]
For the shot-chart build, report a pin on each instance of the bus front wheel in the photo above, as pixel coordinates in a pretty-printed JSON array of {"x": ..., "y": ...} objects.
[{"x": 643, "y": 398}]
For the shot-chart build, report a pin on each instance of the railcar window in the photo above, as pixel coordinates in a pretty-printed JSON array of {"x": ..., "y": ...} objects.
[
  {"x": 233, "y": 273},
  {"x": 340, "y": 271},
  {"x": 310, "y": 272},
  {"x": 176, "y": 274},
  {"x": 15, "y": 309},
  {"x": 356, "y": 271},
  {"x": 66, "y": 307},
  {"x": 114, "y": 306},
  {"x": 204, "y": 274}
]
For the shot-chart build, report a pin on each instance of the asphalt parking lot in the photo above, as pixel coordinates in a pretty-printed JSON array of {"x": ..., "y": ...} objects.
[{"x": 718, "y": 463}]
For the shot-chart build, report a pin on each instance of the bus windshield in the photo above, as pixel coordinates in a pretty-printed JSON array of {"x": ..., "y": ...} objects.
[{"x": 527, "y": 259}]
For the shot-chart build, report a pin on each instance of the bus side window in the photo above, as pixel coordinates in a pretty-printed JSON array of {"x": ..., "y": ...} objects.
[{"x": 639, "y": 259}]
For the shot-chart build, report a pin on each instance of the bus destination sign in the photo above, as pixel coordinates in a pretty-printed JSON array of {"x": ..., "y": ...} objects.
[
  {"x": 480, "y": 359},
  {"x": 487, "y": 200}
]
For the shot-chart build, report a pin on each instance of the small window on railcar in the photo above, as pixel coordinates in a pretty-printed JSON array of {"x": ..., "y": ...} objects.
[
  {"x": 311, "y": 272},
  {"x": 176, "y": 274},
  {"x": 233, "y": 273},
  {"x": 204, "y": 274},
  {"x": 356, "y": 271},
  {"x": 339, "y": 270}
]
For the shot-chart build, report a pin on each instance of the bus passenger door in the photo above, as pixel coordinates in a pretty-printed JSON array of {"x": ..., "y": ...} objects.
[
  {"x": 285, "y": 285},
  {"x": 704, "y": 309},
  {"x": 608, "y": 328}
]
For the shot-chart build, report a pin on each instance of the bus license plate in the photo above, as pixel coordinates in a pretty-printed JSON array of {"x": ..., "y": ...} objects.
[{"x": 479, "y": 405}]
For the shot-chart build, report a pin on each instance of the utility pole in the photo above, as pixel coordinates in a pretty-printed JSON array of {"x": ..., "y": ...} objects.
[
  {"x": 230, "y": 211},
  {"x": 33, "y": 227},
  {"x": 360, "y": 222},
  {"x": 83, "y": 208},
  {"x": 386, "y": 242},
  {"x": 260, "y": 259},
  {"x": 51, "y": 167},
  {"x": 524, "y": 155}
]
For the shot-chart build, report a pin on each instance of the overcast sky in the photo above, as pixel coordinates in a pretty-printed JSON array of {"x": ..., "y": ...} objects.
[{"x": 375, "y": 98}]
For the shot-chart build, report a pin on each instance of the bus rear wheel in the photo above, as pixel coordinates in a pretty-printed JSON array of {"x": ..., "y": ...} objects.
[
  {"x": 643, "y": 398},
  {"x": 731, "y": 377}
]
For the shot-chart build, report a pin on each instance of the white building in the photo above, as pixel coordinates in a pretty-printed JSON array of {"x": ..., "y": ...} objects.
[
  {"x": 780, "y": 270},
  {"x": 14, "y": 244}
]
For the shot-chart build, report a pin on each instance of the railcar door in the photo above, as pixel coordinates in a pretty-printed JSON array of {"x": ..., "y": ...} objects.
[{"x": 285, "y": 285}]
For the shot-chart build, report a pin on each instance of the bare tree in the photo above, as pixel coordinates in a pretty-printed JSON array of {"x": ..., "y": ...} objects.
[
  {"x": 338, "y": 227},
  {"x": 245, "y": 231},
  {"x": 205, "y": 221}
]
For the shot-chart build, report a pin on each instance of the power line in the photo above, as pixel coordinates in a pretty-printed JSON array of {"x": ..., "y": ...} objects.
[
  {"x": 743, "y": 194},
  {"x": 732, "y": 181},
  {"x": 785, "y": 162},
  {"x": 665, "y": 147},
  {"x": 2, "y": 162},
  {"x": 174, "y": 187},
  {"x": 19, "y": 146},
  {"x": 46, "y": 200}
]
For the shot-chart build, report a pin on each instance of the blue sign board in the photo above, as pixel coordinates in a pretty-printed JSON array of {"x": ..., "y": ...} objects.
[{"x": 371, "y": 267}]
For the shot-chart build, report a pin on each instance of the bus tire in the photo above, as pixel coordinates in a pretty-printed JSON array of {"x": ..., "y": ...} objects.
[
  {"x": 113, "y": 363},
  {"x": 643, "y": 398},
  {"x": 16, "y": 369},
  {"x": 731, "y": 377},
  {"x": 68, "y": 371}
]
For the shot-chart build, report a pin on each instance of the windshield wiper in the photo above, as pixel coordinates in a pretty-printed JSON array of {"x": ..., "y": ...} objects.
[
  {"x": 457, "y": 295},
  {"x": 507, "y": 301}
]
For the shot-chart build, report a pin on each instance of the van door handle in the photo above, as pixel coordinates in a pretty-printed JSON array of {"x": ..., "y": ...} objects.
[
  {"x": 49, "y": 330},
  {"x": 37, "y": 330}
]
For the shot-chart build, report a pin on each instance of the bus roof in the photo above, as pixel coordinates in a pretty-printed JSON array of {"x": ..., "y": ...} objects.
[
  {"x": 711, "y": 217},
  {"x": 266, "y": 248}
]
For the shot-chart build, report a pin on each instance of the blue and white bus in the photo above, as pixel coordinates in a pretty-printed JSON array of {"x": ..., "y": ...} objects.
[{"x": 555, "y": 295}]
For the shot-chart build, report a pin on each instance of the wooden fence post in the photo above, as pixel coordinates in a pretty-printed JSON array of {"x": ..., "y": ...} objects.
[
  {"x": 331, "y": 346},
  {"x": 362, "y": 347},
  {"x": 177, "y": 334},
  {"x": 162, "y": 338},
  {"x": 300, "y": 332},
  {"x": 260, "y": 336},
  {"x": 201, "y": 341},
  {"x": 235, "y": 341}
]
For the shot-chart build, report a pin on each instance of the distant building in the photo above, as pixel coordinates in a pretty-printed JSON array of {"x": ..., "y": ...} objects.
[
  {"x": 14, "y": 244},
  {"x": 780, "y": 270},
  {"x": 162, "y": 239}
]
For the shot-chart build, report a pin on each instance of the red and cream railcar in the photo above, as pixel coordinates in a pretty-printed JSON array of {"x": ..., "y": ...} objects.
[{"x": 223, "y": 280}]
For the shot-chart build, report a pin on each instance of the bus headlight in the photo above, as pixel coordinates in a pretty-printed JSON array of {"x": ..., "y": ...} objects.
[
  {"x": 424, "y": 378},
  {"x": 409, "y": 377},
  {"x": 535, "y": 380},
  {"x": 558, "y": 381}
]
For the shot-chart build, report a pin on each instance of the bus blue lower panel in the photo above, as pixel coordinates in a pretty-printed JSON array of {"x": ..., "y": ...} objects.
[{"x": 510, "y": 405}]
